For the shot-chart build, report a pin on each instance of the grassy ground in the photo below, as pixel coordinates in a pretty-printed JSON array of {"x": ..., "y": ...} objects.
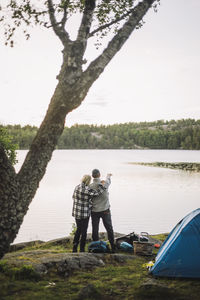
[{"x": 118, "y": 281}]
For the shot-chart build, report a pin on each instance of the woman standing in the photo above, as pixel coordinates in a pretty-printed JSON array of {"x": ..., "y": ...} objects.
[{"x": 82, "y": 204}]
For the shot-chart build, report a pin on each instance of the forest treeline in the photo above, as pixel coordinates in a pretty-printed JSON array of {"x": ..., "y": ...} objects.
[{"x": 179, "y": 134}]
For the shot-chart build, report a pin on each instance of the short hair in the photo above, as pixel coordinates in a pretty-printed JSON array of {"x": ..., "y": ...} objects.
[
  {"x": 86, "y": 179},
  {"x": 95, "y": 173}
]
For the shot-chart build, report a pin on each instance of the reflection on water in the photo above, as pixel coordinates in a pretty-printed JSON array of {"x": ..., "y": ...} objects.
[{"x": 142, "y": 198}]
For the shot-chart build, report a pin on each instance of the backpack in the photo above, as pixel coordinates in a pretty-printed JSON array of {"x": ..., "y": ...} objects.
[
  {"x": 124, "y": 246},
  {"x": 98, "y": 247}
]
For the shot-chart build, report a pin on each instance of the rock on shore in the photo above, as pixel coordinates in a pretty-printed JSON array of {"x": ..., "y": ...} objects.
[{"x": 44, "y": 261}]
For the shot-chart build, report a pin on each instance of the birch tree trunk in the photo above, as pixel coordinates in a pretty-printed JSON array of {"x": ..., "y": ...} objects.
[{"x": 18, "y": 190}]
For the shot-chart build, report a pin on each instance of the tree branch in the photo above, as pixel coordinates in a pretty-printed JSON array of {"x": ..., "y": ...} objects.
[
  {"x": 98, "y": 65},
  {"x": 59, "y": 30},
  {"x": 84, "y": 29},
  {"x": 7, "y": 171},
  {"x": 64, "y": 18},
  {"x": 111, "y": 23}
]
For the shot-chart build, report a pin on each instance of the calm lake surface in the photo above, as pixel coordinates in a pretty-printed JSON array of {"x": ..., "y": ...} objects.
[{"x": 142, "y": 198}]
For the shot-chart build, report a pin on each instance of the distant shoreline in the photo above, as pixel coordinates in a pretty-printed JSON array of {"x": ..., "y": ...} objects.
[{"x": 185, "y": 166}]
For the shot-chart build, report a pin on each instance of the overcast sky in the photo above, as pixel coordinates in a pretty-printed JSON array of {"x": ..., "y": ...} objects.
[{"x": 155, "y": 76}]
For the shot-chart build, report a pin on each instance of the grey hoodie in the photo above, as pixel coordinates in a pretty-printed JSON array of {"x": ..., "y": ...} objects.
[{"x": 101, "y": 202}]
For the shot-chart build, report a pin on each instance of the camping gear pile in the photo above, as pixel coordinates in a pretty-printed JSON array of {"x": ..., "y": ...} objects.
[
  {"x": 133, "y": 243},
  {"x": 138, "y": 244}
]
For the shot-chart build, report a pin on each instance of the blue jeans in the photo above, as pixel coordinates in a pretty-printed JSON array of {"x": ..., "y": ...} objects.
[{"x": 107, "y": 222}]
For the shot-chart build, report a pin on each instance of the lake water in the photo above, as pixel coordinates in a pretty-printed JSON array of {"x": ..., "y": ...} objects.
[{"x": 142, "y": 198}]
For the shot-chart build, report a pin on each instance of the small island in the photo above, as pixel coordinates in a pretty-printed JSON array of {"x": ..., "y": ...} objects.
[{"x": 185, "y": 166}]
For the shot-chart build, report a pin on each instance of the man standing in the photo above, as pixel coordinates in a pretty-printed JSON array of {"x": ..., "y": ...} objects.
[{"x": 101, "y": 209}]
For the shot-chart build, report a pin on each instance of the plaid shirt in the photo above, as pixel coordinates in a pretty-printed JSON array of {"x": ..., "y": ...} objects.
[{"x": 82, "y": 197}]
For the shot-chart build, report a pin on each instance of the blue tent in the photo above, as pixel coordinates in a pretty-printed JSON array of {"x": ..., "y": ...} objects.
[{"x": 179, "y": 255}]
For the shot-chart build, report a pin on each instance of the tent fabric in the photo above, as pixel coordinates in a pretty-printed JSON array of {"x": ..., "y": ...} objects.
[{"x": 179, "y": 255}]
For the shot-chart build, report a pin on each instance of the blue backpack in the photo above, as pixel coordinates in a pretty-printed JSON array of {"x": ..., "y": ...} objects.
[
  {"x": 98, "y": 247},
  {"x": 124, "y": 246}
]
